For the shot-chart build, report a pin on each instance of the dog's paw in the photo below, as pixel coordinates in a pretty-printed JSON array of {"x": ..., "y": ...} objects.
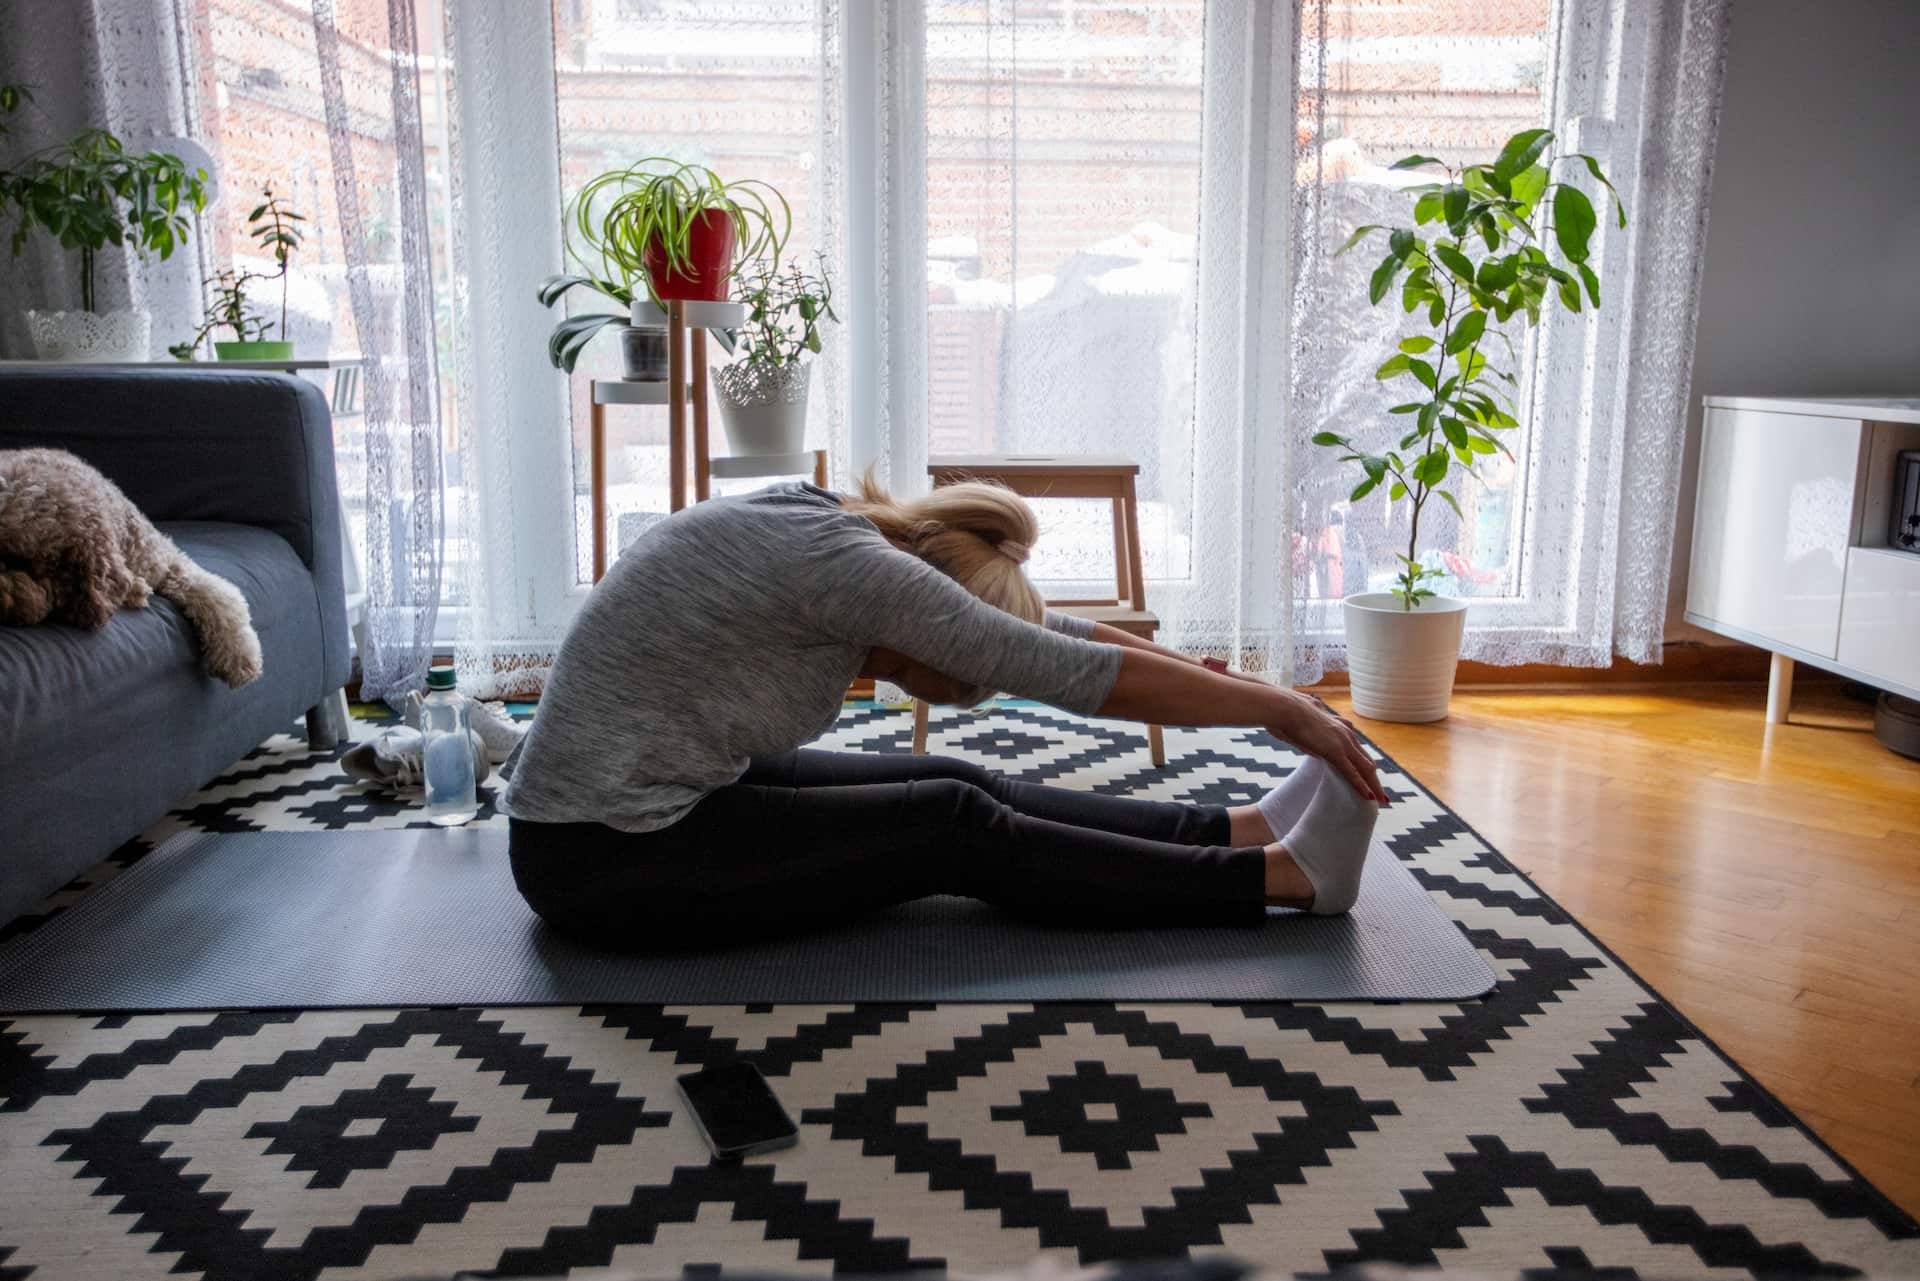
[{"x": 235, "y": 660}]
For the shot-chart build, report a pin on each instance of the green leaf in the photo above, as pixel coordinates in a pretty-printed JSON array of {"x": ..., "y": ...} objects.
[
  {"x": 1376, "y": 466},
  {"x": 1393, "y": 368},
  {"x": 1413, "y": 162},
  {"x": 1398, "y": 492},
  {"x": 1452, "y": 502},
  {"x": 1520, "y": 152},
  {"x": 1382, "y": 277},
  {"x": 1361, "y": 490},
  {"x": 1429, "y": 412},
  {"x": 1455, "y": 432},
  {"x": 1490, "y": 233},
  {"x": 1496, "y": 274},
  {"x": 1432, "y": 468},
  {"x": 1529, "y": 185},
  {"x": 1421, "y": 370},
  {"x": 1570, "y": 295},
  {"x": 1467, "y": 333},
  {"x": 1455, "y": 262},
  {"x": 1359, "y": 234},
  {"x": 1427, "y": 207},
  {"x": 1328, "y": 438},
  {"x": 1415, "y": 345},
  {"x": 1592, "y": 283},
  {"x": 1412, "y": 406},
  {"x": 1401, "y": 241},
  {"x": 1437, "y": 313},
  {"x": 1573, "y": 222},
  {"x": 1453, "y": 201},
  {"x": 1593, "y": 167},
  {"x": 1483, "y": 445}
]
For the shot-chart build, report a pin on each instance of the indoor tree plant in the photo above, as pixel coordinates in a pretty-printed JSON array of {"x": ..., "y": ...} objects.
[
  {"x": 763, "y": 395},
  {"x": 1491, "y": 243},
  {"x": 271, "y": 228},
  {"x": 90, "y": 194}
]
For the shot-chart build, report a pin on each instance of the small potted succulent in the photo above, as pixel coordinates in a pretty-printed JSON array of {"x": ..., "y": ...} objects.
[
  {"x": 90, "y": 194},
  {"x": 271, "y": 228},
  {"x": 1490, "y": 244},
  {"x": 763, "y": 395}
]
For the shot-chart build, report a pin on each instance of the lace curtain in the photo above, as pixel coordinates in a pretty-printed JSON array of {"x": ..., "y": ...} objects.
[
  {"x": 1566, "y": 554},
  {"x": 324, "y": 105}
]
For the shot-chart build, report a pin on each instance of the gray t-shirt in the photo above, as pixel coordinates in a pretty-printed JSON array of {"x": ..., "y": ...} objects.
[{"x": 732, "y": 629}]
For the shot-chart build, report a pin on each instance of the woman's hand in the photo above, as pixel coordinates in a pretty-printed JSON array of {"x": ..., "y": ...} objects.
[{"x": 1311, "y": 726}]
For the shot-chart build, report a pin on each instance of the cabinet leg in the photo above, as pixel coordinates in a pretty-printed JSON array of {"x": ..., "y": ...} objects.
[
  {"x": 1779, "y": 690},
  {"x": 1157, "y": 744},
  {"x": 920, "y": 727}
]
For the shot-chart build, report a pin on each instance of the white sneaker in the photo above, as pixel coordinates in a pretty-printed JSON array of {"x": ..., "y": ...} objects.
[
  {"x": 491, "y": 721},
  {"x": 396, "y": 759}
]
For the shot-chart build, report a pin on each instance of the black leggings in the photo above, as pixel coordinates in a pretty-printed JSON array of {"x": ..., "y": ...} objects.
[{"x": 813, "y": 836}]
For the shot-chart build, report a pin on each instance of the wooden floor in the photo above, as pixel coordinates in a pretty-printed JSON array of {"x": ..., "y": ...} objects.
[{"x": 1766, "y": 880}]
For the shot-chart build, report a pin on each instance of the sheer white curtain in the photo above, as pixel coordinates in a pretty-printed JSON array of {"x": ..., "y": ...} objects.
[{"x": 1108, "y": 228}]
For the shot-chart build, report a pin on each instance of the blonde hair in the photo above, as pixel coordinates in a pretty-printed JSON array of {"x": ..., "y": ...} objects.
[{"x": 978, "y": 533}]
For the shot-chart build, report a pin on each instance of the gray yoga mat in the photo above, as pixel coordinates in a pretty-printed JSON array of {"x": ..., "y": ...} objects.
[{"x": 305, "y": 920}]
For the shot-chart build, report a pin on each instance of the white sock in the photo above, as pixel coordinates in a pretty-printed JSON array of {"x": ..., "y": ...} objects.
[
  {"x": 1329, "y": 843},
  {"x": 1283, "y": 806}
]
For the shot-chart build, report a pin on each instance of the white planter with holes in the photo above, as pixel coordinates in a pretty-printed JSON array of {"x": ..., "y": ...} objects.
[
  {"x": 1400, "y": 661},
  {"x": 124, "y": 335},
  {"x": 764, "y": 407}
]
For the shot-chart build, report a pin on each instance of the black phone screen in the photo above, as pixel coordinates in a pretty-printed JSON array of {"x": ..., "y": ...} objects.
[{"x": 737, "y": 1109}]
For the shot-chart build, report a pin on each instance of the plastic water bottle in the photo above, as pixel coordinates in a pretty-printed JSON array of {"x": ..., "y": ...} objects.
[{"x": 447, "y": 749}]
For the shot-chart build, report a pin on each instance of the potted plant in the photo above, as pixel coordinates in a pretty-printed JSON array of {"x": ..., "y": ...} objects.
[
  {"x": 763, "y": 395},
  {"x": 89, "y": 194},
  {"x": 271, "y": 227},
  {"x": 643, "y": 346},
  {"x": 655, "y": 231},
  {"x": 1491, "y": 243},
  {"x": 680, "y": 227}
]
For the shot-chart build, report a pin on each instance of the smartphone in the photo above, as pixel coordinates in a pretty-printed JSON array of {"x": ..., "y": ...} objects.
[{"x": 736, "y": 1111}]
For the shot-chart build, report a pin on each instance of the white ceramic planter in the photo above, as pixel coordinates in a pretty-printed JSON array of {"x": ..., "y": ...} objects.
[
  {"x": 124, "y": 335},
  {"x": 1401, "y": 661},
  {"x": 764, "y": 409}
]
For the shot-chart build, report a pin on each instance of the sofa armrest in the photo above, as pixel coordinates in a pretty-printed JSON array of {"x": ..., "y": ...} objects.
[{"x": 241, "y": 446}]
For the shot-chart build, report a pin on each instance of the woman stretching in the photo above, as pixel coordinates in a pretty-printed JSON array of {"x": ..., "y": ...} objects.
[{"x": 659, "y": 795}]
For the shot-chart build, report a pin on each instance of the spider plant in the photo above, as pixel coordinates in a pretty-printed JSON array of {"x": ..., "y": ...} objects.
[
  {"x": 627, "y": 230},
  {"x": 653, "y": 210}
]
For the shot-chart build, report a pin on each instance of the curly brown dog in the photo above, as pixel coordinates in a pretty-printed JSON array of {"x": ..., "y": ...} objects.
[{"x": 74, "y": 550}]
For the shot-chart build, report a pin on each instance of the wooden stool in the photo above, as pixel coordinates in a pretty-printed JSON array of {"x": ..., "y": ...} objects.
[{"x": 1070, "y": 476}]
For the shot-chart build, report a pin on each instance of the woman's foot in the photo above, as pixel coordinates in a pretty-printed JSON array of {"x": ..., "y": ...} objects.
[
  {"x": 1328, "y": 844},
  {"x": 1282, "y": 807}
]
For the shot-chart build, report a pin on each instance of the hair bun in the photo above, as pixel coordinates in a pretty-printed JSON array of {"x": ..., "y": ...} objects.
[{"x": 1014, "y": 550}]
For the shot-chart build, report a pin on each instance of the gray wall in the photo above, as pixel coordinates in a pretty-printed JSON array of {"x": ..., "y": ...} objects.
[{"x": 1812, "y": 278}]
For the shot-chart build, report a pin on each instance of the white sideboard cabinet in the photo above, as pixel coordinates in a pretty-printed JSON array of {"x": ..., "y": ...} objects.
[{"x": 1790, "y": 545}]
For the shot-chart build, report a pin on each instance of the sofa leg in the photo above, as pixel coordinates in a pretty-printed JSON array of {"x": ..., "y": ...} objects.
[{"x": 328, "y": 724}]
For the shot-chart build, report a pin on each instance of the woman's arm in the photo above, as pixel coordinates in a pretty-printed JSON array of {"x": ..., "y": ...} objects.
[{"x": 1164, "y": 689}]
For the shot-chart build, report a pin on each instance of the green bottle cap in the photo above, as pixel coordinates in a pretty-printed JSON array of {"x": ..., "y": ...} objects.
[{"x": 440, "y": 676}]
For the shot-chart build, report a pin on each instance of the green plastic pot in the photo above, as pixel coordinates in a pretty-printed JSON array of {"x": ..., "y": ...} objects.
[{"x": 253, "y": 351}]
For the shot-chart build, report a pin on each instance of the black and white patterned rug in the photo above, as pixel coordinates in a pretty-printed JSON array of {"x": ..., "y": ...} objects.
[{"x": 1571, "y": 1121}]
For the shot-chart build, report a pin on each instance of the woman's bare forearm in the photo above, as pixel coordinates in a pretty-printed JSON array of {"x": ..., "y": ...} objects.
[
  {"x": 1160, "y": 689},
  {"x": 1164, "y": 688},
  {"x": 1127, "y": 640}
]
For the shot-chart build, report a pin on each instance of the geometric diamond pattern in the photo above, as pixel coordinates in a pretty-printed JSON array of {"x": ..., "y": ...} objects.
[{"x": 1569, "y": 1121}]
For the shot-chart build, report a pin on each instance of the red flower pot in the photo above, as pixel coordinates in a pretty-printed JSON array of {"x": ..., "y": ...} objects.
[{"x": 710, "y": 258}]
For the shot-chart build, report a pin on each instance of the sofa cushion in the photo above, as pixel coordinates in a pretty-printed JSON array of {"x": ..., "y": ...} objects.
[{"x": 130, "y": 703}]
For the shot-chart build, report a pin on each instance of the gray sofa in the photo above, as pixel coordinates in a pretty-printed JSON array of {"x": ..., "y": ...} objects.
[{"x": 101, "y": 732}]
